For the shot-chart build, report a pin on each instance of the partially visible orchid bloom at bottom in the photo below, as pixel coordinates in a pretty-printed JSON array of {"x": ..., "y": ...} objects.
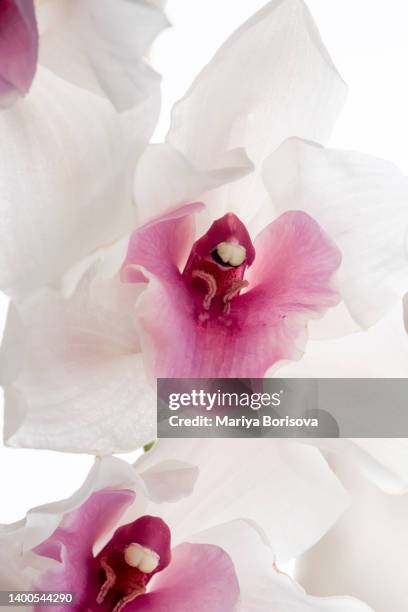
[
  {"x": 136, "y": 569},
  {"x": 115, "y": 553}
]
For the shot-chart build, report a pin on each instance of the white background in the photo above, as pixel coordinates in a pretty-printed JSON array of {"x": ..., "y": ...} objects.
[{"x": 369, "y": 43}]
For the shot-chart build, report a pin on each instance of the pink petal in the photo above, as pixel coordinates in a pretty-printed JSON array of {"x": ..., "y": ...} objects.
[
  {"x": 18, "y": 48},
  {"x": 289, "y": 283},
  {"x": 72, "y": 544},
  {"x": 161, "y": 245},
  {"x": 200, "y": 578}
]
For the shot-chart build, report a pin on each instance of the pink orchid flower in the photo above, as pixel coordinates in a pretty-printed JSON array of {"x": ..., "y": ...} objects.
[
  {"x": 115, "y": 553},
  {"x": 18, "y": 49},
  {"x": 236, "y": 308},
  {"x": 136, "y": 569}
]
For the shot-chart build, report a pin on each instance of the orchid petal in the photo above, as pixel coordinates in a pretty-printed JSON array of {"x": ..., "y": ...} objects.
[
  {"x": 380, "y": 352},
  {"x": 72, "y": 545},
  {"x": 165, "y": 178},
  {"x": 61, "y": 172},
  {"x": 262, "y": 585},
  {"x": 106, "y": 473},
  {"x": 293, "y": 494},
  {"x": 17, "y": 540},
  {"x": 383, "y": 461},
  {"x": 200, "y": 578},
  {"x": 100, "y": 45},
  {"x": 161, "y": 245},
  {"x": 71, "y": 529},
  {"x": 291, "y": 87},
  {"x": 361, "y": 202},
  {"x": 169, "y": 480},
  {"x": 18, "y": 49},
  {"x": 97, "y": 398},
  {"x": 365, "y": 554}
]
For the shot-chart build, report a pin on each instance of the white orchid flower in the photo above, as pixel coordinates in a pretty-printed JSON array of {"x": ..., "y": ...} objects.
[
  {"x": 75, "y": 151},
  {"x": 114, "y": 548},
  {"x": 239, "y": 306},
  {"x": 82, "y": 244}
]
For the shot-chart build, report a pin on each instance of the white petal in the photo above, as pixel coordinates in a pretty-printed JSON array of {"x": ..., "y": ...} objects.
[
  {"x": 262, "y": 586},
  {"x": 74, "y": 378},
  {"x": 286, "y": 487},
  {"x": 271, "y": 79},
  {"x": 380, "y": 352},
  {"x": 361, "y": 202},
  {"x": 383, "y": 461},
  {"x": 165, "y": 178},
  {"x": 365, "y": 554},
  {"x": 169, "y": 480},
  {"x": 100, "y": 45},
  {"x": 67, "y": 161}
]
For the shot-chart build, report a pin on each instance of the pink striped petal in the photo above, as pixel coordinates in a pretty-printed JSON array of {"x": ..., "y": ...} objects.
[
  {"x": 161, "y": 245},
  {"x": 18, "y": 48}
]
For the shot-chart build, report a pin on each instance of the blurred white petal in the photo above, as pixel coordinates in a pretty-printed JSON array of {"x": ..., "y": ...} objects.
[
  {"x": 380, "y": 352},
  {"x": 169, "y": 480},
  {"x": 262, "y": 586},
  {"x": 365, "y": 554},
  {"x": 382, "y": 461},
  {"x": 100, "y": 45},
  {"x": 67, "y": 161},
  {"x": 361, "y": 202}
]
